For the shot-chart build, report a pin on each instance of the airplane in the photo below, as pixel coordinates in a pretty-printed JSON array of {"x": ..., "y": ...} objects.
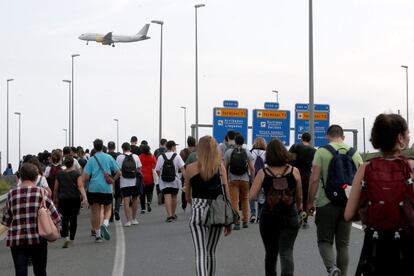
[{"x": 110, "y": 39}]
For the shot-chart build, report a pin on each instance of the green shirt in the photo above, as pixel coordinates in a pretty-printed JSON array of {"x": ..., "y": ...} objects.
[
  {"x": 191, "y": 158},
  {"x": 321, "y": 159}
]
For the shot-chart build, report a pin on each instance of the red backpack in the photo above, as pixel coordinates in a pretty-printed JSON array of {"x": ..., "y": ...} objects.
[{"x": 387, "y": 195}]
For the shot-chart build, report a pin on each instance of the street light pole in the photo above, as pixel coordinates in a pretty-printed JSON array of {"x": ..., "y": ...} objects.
[
  {"x": 70, "y": 109},
  {"x": 161, "y": 23},
  {"x": 311, "y": 94},
  {"x": 20, "y": 135},
  {"x": 185, "y": 124},
  {"x": 406, "y": 77},
  {"x": 196, "y": 70},
  {"x": 66, "y": 136},
  {"x": 277, "y": 95},
  {"x": 73, "y": 96},
  {"x": 7, "y": 149},
  {"x": 117, "y": 134}
]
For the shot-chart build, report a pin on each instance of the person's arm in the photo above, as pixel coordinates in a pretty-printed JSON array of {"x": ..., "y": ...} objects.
[
  {"x": 299, "y": 193},
  {"x": 187, "y": 184},
  {"x": 56, "y": 191},
  {"x": 257, "y": 185},
  {"x": 354, "y": 198},
  {"x": 54, "y": 214},
  {"x": 313, "y": 187},
  {"x": 7, "y": 214},
  {"x": 81, "y": 189},
  {"x": 223, "y": 172},
  {"x": 251, "y": 168}
]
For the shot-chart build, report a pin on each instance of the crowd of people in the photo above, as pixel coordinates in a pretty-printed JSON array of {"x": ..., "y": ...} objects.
[{"x": 276, "y": 187}]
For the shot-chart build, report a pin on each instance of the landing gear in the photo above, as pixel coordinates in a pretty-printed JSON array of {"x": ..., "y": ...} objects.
[
  {"x": 113, "y": 44},
  {"x": 87, "y": 42}
]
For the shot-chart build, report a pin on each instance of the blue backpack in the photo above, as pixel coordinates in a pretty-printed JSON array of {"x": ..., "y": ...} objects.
[
  {"x": 341, "y": 172},
  {"x": 259, "y": 163}
]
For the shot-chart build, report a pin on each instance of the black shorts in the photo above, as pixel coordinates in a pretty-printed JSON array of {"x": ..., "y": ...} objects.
[
  {"x": 129, "y": 191},
  {"x": 100, "y": 198},
  {"x": 170, "y": 191}
]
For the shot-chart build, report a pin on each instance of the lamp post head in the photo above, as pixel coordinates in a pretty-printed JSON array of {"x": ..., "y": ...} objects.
[
  {"x": 275, "y": 91},
  {"x": 116, "y": 120},
  {"x": 17, "y": 113},
  {"x": 68, "y": 81},
  {"x": 404, "y": 66},
  {"x": 157, "y": 22},
  {"x": 8, "y": 80},
  {"x": 183, "y": 107},
  {"x": 75, "y": 55},
  {"x": 199, "y": 6},
  {"x": 65, "y": 129}
]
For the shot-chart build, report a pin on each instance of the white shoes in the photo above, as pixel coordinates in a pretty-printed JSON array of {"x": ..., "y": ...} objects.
[
  {"x": 134, "y": 222},
  {"x": 128, "y": 224}
]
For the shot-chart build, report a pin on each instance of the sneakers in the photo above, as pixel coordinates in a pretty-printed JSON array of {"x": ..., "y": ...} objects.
[
  {"x": 134, "y": 222},
  {"x": 93, "y": 233},
  {"x": 236, "y": 226},
  {"x": 149, "y": 207},
  {"x": 245, "y": 225},
  {"x": 169, "y": 219},
  {"x": 104, "y": 232},
  {"x": 117, "y": 217},
  {"x": 305, "y": 225},
  {"x": 334, "y": 271},
  {"x": 128, "y": 224},
  {"x": 253, "y": 219},
  {"x": 66, "y": 244},
  {"x": 175, "y": 217},
  {"x": 143, "y": 211},
  {"x": 98, "y": 239}
]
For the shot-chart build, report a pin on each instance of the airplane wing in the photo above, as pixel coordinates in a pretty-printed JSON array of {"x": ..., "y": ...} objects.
[{"x": 107, "y": 39}]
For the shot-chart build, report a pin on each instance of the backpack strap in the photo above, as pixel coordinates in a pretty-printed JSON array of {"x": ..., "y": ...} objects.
[
  {"x": 329, "y": 148},
  {"x": 277, "y": 176},
  {"x": 173, "y": 156},
  {"x": 351, "y": 152}
]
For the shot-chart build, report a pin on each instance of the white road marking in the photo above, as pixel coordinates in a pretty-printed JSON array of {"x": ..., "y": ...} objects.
[{"x": 119, "y": 262}]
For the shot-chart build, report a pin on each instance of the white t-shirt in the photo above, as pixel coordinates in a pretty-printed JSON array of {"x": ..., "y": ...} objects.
[
  {"x": 127, "y": 182},
  {"x": 178, "y": 163},
  {"x": 40, "y": 182}
]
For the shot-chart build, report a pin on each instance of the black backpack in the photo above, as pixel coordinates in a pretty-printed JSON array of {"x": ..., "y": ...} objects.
[
  {"x": 129, "y": 167},
  {"x": 168, "y": 168},
  {"x": 341, "y": 172},
  {"x": 238, "y": 161}
]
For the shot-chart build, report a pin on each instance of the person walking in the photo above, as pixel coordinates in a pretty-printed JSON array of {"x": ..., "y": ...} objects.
[
  {"x": 8, "y": 170},
  {"x": 167, "y": 168},
  {"x": 185, "y": 153},
  {"x": 303, "y": 154},
  {"x": 99, "y": 193},
  {"x": 330, "y": 223},
  {"x": 258, "y": 152},
  {"x": 381, "y": 188},
  {"x": 205, "y": 180},
  {"x": 117, "y": 191},
  {"x": 148, "y": 162},
  {"x": 20, "y": 216},
  {"x": 279, "y": 224},
  {"x": 130, "y": 167},
  {"x": 69, "y": 195},
  {"x": 239, "y": 163}
]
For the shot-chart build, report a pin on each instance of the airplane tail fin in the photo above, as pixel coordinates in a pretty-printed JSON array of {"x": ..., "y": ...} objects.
[{"x": 144, "y": 30}]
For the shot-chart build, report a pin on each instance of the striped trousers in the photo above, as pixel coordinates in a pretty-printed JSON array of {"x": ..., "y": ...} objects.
[{"x": 205, "y": 238}]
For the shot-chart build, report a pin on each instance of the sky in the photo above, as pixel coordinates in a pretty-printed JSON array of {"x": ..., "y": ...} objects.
[{"x": 246, "y": 50}]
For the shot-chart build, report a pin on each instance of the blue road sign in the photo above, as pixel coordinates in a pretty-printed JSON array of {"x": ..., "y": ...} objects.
[
  {"x": 271, "y": 124},
  {"x": 231, "y": 104},
  {"x": 225, "y": 119},
  {"x": 321, "y": 122},
  {"x": 271, "y": 105}
]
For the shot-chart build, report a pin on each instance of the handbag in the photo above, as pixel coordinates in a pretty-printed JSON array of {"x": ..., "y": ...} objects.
[
  {"x": 46, "y": 227},
  {"x": 107, "y": 176},
  {"x": 220, "y": 212}
]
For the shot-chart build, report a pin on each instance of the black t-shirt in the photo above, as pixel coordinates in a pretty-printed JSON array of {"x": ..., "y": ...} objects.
[
  {"x": 304, "y": 157},
  {"x": 68, "y": 185},
  {"x": 206, "y": 189},
  {"x": 159, "y": 151},
  {"x": 135, "y": 150}
]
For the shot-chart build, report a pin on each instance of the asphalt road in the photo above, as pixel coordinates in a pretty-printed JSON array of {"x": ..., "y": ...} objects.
[{"x": 155, "y": 247}]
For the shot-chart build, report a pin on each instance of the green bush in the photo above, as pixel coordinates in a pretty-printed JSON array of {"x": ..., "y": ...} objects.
[{"x": 4, "y": 187}]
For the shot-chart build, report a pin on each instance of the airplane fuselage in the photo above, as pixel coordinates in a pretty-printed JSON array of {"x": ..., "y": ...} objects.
[{"x": 115, "y": 38}]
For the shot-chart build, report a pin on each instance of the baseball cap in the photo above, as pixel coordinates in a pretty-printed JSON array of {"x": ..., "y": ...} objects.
[{"x": 171, "y": 144}]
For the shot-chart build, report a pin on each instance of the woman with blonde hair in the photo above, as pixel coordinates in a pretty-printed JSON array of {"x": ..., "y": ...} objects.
[{"x": 204, "y": 179}]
